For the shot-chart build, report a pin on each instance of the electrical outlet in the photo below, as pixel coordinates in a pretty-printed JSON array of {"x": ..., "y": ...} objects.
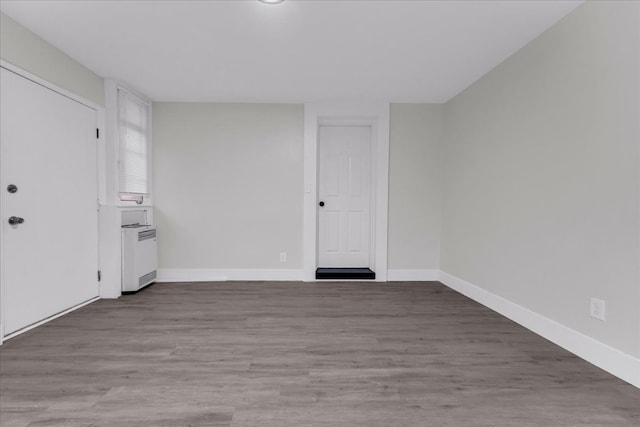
[
  {"x": 597, "y": 308},
  {"x": 283, "y": 257}
]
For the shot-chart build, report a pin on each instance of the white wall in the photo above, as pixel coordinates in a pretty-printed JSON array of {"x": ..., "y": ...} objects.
[
  {"x": 415, "y": 168},
  {"x": 28, "y": 51},
  {"x": 541, "y": 186},
  {"x": 228, "y": 185}
]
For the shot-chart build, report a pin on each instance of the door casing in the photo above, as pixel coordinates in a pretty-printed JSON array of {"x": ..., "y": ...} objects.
[{"x": 375, "y": 115}]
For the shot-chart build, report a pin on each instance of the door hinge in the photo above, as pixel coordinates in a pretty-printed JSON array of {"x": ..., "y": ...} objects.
[
  {"x": 99, "y": 275},
  {"x": 97, "y": 133}
]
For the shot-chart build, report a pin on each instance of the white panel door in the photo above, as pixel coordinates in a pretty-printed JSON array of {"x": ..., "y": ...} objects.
[
  {"x": 48, "y": 151},
  {"x": 344, "y": 190}
]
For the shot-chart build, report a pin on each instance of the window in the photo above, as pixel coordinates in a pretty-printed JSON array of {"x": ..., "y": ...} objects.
[{"x": 134, "y": 136}]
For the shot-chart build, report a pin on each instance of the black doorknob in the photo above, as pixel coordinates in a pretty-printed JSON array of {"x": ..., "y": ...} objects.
[
  {"x": 12, "y": 188},
  {"x": 15, "y": 220},
  {"x": 321, "y": 204}
]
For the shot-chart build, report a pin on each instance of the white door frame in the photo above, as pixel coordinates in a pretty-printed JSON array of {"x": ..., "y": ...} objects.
[
  {"x": 375, "y": 115},
  {"x": 101, "y": 191}
]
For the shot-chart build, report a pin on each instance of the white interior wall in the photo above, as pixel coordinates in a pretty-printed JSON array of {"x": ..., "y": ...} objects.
[
  {"x": 248, "y": 158},
  {"x": 417, "y": 132},
  {"x": 28, "y": 51},
  {"x": 228, "y": 186},
  {"x": 541, "y": 176}
]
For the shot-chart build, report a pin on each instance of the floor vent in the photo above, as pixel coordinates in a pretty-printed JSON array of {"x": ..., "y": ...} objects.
[{"x": 345, "y": 274}]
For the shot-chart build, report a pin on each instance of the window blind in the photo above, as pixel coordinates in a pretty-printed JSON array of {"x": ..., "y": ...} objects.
[{"x": 133, "y": 125}]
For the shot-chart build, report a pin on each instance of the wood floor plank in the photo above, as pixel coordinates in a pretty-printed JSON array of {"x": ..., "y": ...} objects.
[{"x": 240, "y": 354}]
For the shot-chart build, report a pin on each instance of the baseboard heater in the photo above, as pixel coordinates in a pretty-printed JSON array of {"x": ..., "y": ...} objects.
[
  {"x": 139, "y": 257},
  {"x": 345, "y": 274}
]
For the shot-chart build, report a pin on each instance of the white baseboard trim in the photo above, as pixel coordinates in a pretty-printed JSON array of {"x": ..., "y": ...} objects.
[
  {"x": 614, "y": 361},
  {"x": 217, "y": 275},
  {"x": 412, "y": 275}
]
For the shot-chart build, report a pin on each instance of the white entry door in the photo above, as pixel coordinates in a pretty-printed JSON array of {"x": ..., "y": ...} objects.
[
  {"x": 48, "y": 152},
  {"x": 344, "y": 194}
]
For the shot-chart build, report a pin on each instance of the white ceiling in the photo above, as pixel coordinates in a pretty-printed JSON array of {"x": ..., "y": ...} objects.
[{"x": 296, "y": 51}]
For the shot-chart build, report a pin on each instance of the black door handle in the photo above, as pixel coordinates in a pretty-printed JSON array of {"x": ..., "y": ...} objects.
[
  {"x": 321, "y": 204},
  {"x": 15, "y": 220}
]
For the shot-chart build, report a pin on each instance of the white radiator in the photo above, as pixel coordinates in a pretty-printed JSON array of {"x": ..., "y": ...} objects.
[{"x": 139, "y": 257}]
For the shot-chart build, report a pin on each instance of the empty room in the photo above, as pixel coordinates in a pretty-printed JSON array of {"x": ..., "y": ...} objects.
[{"x": 319, "y": 213}]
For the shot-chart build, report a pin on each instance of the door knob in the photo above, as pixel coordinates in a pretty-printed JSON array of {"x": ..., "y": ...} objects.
[
  {"x": 321, "y": 204},
  {"x": 12, "y": 188},
  {"x": 15, "y": 220}
]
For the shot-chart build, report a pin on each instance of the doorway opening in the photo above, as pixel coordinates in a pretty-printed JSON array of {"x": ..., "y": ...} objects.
[{"x": 346, "y": 192}]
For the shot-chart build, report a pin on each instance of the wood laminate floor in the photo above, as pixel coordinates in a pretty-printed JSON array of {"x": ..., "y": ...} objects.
[{"x": 300, "y": 354}]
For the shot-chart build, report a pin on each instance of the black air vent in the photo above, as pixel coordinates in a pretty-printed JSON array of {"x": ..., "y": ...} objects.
[
  {"x": 149, "y": 277},
  {"x": 146, "y": 235}
]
